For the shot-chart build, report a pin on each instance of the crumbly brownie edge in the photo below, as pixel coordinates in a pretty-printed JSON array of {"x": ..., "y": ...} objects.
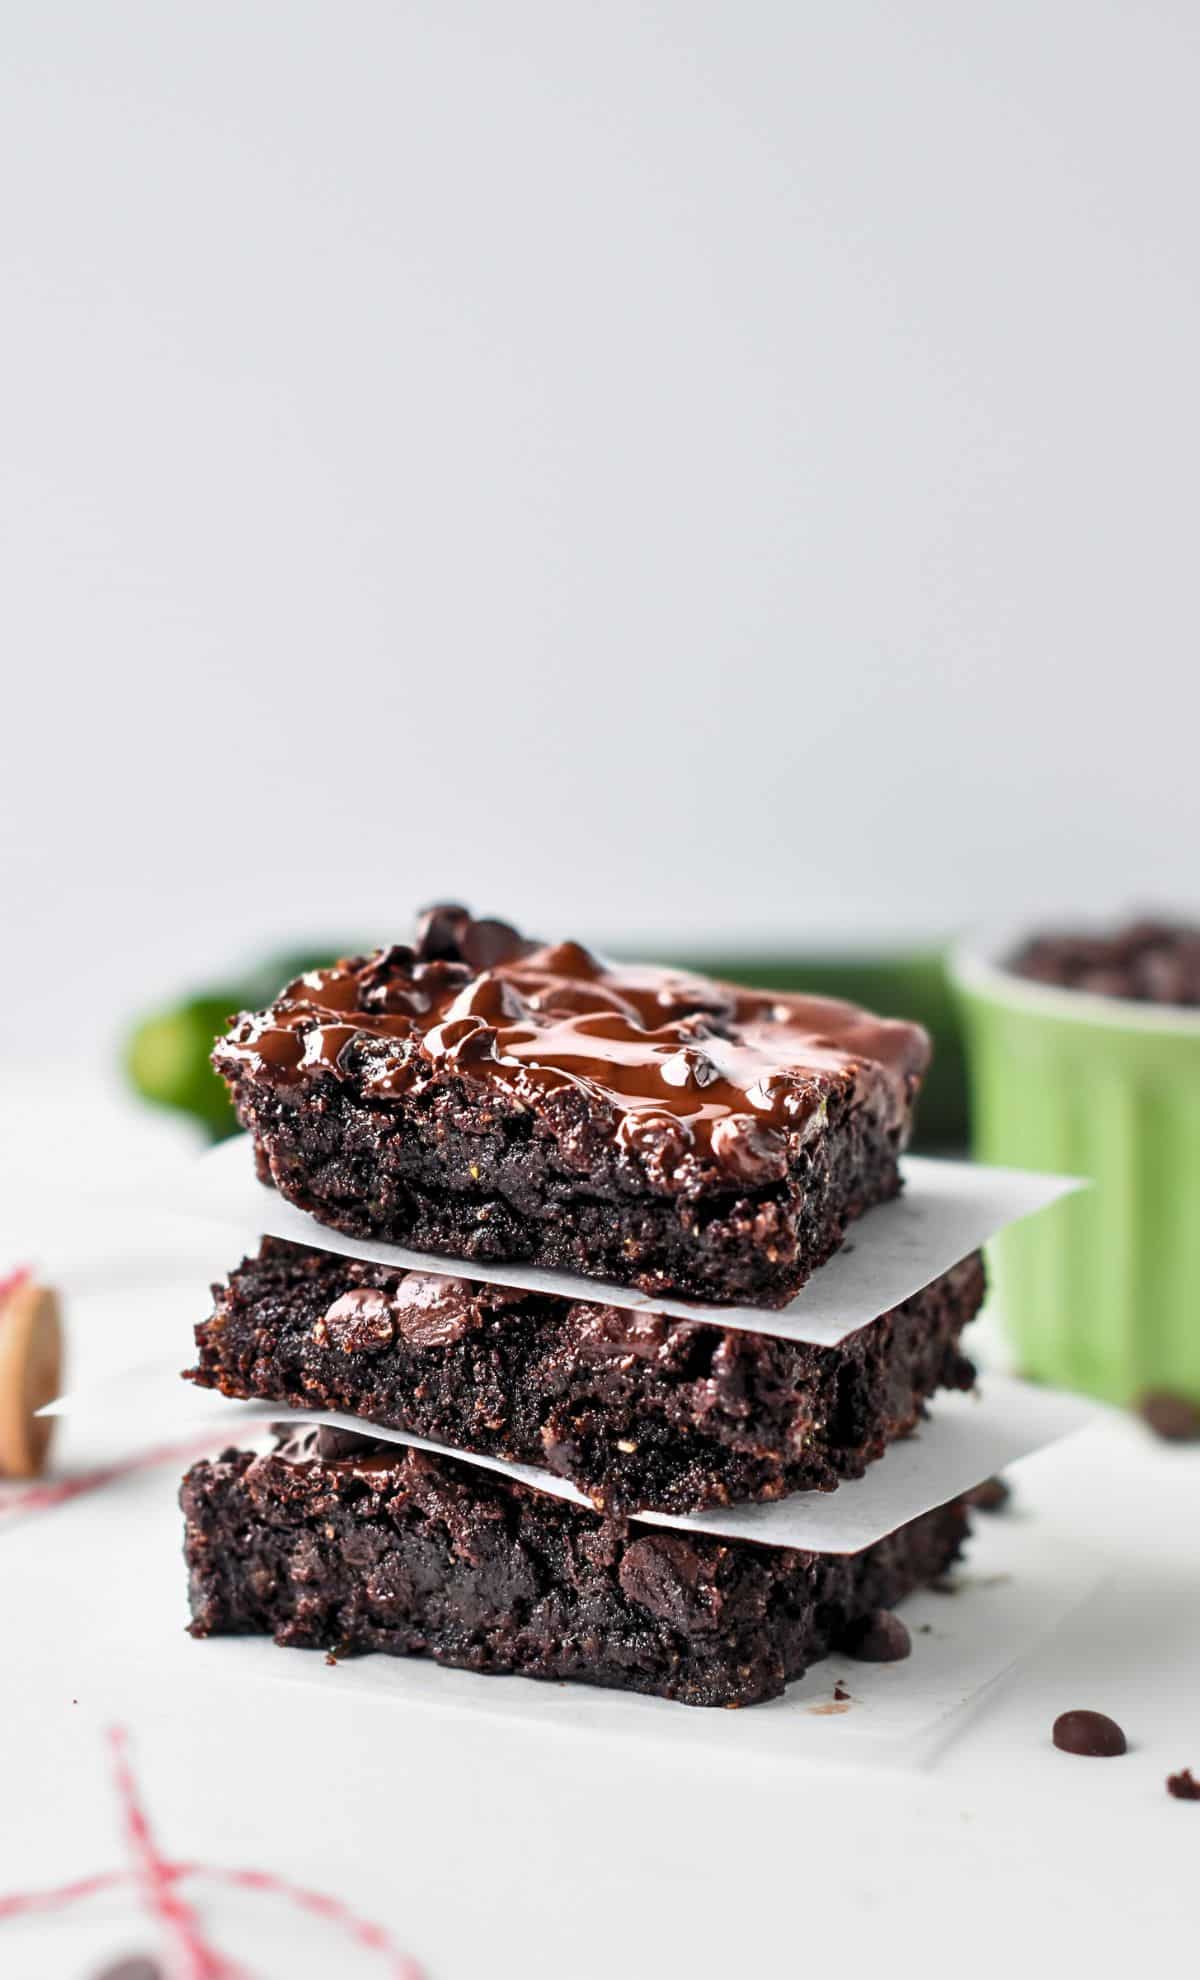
[
  {"x": 639, "y": 1411},
  {"x": 469, "y": 1179},
  {"x": 423, "y": 1556}
]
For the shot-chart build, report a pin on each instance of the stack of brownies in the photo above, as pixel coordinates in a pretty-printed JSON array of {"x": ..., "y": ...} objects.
[{"x": 490, "y": 1101}]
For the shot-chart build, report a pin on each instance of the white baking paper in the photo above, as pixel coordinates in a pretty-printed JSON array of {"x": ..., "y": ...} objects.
[
  {"x": 947, "y": 1210},
  {"x": 965, "y": 1439}
]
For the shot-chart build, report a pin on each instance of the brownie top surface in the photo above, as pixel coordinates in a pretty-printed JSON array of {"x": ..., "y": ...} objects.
[
  {"x": 1149, "y": 961},
  {"x": 731, "y": 1069}
]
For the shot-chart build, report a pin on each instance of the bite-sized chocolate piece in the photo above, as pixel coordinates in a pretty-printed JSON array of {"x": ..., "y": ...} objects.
[
  {"x": 1173, "y": 1418},
  {"x": 1091, "y": 1734},
  {"x": 877, "y": 1638},
  {"x": 1183, "y": 1786},
  {"x": 990, "y": 1497},
  {"x": 478, "y": 1096},
  {"x": 418, "y": 1555},
  {"x": 1155, "y": 962},
  {"x": 638, "y": 1410}
]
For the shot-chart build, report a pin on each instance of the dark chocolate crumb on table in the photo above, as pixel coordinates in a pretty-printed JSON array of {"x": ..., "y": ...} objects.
[{"x": 1183, "y": 1786}]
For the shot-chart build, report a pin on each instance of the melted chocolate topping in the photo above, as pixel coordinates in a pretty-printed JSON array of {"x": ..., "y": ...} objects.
[{"x": 726, "y": 1072}]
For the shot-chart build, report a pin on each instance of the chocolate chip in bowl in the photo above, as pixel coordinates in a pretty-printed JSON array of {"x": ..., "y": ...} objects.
[
  {"x": 1145, "y": 961},
  {"x": 1083, "y": 1051}
]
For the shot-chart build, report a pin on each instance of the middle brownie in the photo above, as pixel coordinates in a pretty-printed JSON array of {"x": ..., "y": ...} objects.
[{"x": 640, "y": 1411}]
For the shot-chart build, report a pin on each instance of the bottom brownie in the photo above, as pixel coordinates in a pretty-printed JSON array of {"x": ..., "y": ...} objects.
[{"x": 396, "y": 1550}]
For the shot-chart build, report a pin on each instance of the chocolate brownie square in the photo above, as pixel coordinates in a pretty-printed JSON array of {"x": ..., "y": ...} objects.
[
  {"x": 481, "y": 1097},
  {"x": 413, "y": 1555},
  {"x": 640, "y": 1411}
]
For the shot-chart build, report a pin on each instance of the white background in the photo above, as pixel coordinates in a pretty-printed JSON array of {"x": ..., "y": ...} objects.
[{"x": 644, "y": 466}]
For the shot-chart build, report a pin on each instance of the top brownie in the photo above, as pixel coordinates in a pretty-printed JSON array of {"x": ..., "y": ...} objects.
[{"x": 483, "y": 1097}]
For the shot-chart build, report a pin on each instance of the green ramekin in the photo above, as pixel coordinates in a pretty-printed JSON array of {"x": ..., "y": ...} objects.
[{"x": 1104, "y": 1294}]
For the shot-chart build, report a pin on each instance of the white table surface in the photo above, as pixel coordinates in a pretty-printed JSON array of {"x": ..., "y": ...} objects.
[{"x": 499, "y": 1846}]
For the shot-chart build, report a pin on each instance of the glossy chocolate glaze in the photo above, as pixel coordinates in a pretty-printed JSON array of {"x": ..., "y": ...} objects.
[{"x": 734, "y": 1074}]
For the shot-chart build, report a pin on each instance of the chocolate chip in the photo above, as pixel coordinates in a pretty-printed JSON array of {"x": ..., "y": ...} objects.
[
  {"x": 753, "y": 1153},
  {"x": 1184, "y": 1786},
  {"x": 333, "y": 1443},
  {"x": 1171, "y": 1417},
  {"x": 992, "y": 1496},
  {"x": 297, "y": 1441},
  {"x": 360, "y": 1322},
  {"x": 132, "y": 1969},
  {"x": 484, "y": 944},
  {"x": 433, "y": 1310},
  {"x": 440, "y": 930},
  {"x": 664, "y": 1573},
  {"x": 877, "y": 1638},
  {"x": 1088, "y": 1733}
]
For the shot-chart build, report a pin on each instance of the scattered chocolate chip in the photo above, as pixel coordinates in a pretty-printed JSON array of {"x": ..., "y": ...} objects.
[
  {"x": 360, "y": 1322},
  {"x": 840, "y": 1692},
  {"x": 1184, "y": 1786},
  {"x": 1088, "y": 1733},
  {"x": 878, "y": 1638},
  {"x": 1172, "y": 1418},
  {"x": 992, "y": 1496},
  {"x": 333, "y": 1443}
]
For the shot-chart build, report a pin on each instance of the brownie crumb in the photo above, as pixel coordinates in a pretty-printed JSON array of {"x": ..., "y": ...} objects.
[
  {"x": 1092, "y": 1734},
  {"x": 1173, "y": 1418},
  {"x": 1184, "y": 1786},
  {"x": 992, "y": 1496}
]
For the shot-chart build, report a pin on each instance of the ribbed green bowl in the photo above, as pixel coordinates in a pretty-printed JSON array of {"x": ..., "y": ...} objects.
[{"x": 1104, "y": 1295}]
